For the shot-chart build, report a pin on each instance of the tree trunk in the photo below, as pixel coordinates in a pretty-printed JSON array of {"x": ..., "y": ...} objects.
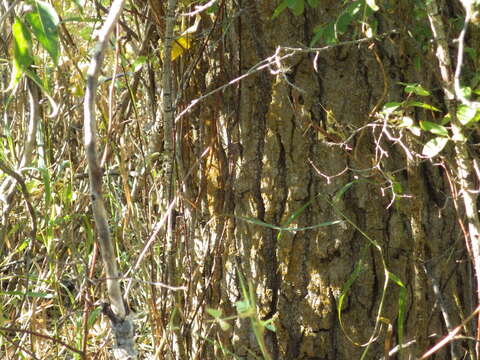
[{"x": 277, "y": 145}]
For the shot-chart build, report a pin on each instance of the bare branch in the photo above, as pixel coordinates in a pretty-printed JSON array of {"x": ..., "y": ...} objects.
[{"x": 122, "y": 326}]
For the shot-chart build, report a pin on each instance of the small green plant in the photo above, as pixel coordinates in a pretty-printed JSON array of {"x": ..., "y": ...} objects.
[
  {"x": 395, "y": 113},
  {"x": 247, "y": 309},
  {"x": 359, "y": 12},
  {"x": 41, "y": 22}
]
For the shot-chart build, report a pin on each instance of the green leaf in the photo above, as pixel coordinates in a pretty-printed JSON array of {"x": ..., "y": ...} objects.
[
  {"x": 466, "y": 91},
  {"x": 93, "y": 316},
  {"x": 434, "y": 128},
  {"x": 390, "y": 107},
  {"x": 402, "y": 304},
  {"x": 354, "y": 8},
  {"x": 33, "y": 294},
  {"x": 279, "y": 9},
  {"x": 467, "y": 114},
  {"x": 434, "y": 146},
  {"x": 415, "y": 89},
  {"x": 223, "y": 324},
  {"x": 299, "y": 211},
  {"x": 44, "y": 22},
  {"x": 342, "y": 23},
  {"x": 421, "y": 105},
  {"x": 268, "y": 324},
  {"x": 417, "y": 61},
  {"x": 459, "y": 137},
  {"x": 325, "y": 32},
  {"x": 313, "y": 3},
  {"x": 316, "y": 37},
  {"x": 22, "y": 52},
  {"x": 359, "y": 268},
  {"x": 406, "y": 121},
  {"x": 397, "y": 188},
  {"x": 446, "y": 119},
  {"x": 33, "y": 75},
  {"x": 345, "y": 19},
  {"x": 415, "y": 130},
  {"x": 22, "y": 45},
  {"x": 22, "y": 246},
  {"x": 138, "y": 63},
  {"x": 215, "y": 313},
  {"x": 297, "y": 7},
  {"x": 343, "y": 190},
  {"x": 372, "y": 5},
  {"x": 244, "y": 309}
]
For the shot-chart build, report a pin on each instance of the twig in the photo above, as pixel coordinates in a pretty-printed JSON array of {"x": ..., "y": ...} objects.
[
  {"x": 159, "y": 284},
  {"x": 26, "y": 196},
  {"x": 159, "y": 225},
  {"x": 276, "y": 58},
  {"x": 450, "y": 336},
  {"x": 462, "y": 156},
  {"x": 200, "y": 8},
  {"x": 8, "y": 187},
  {"x": 4, "y": 16}
]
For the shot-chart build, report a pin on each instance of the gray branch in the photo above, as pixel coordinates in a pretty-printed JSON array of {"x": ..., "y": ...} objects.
[{"x": 117, "y": 311}]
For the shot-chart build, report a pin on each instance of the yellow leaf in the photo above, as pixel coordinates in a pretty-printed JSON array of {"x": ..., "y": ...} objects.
[{"x": 180, "y": 45}]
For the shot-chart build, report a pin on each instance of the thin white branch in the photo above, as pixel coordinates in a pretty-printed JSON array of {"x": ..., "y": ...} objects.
[
  {"x": 460, "y": 53},
  {"x": 276, "y": 59},
  {"x": 159, "y": 284},
  {"x": 199, "y": 9}
]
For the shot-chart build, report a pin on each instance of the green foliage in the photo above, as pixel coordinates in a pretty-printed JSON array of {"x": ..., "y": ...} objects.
[
  {"x": 247, "y": 309},
  {"x": 31, "y": 294},
  {"x": 434, "y": 128},
  {"x": 416, "y": 89},
  {"x": 434, "y": 146},
  {"x": 360, "y": 267},
  {"x": 65, "y": 240},
  {"x": 297, "y": 7},
  {"x": 43, "y": 21},
  {"x": 466, "y": 115},
  {"x": 22, "y": 51},
  {"x": 402, "y": 304},
  {"x": 357, "y": 12},
  {"x": 44, "y": 26},
  {"x": 395, "y": 113}
]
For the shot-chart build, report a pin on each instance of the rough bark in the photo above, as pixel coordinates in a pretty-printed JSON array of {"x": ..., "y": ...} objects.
[{"x": 290, "y": 127}]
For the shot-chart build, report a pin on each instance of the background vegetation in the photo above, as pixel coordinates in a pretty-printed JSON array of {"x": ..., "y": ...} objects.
[{"x": 282, "y": 179}]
